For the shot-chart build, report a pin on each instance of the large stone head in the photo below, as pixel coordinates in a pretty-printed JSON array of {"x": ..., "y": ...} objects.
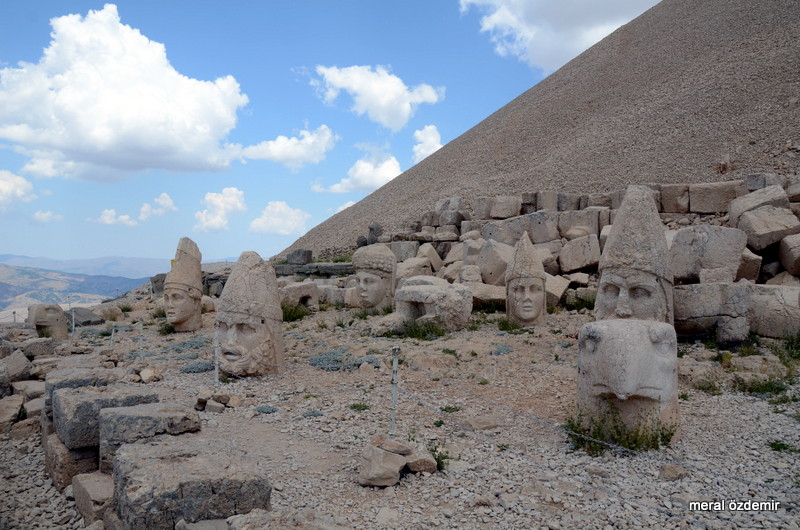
[
  {"x": 49, "y": 321},
  {"x": 635, "y": 275},
  {"x": 526, "y": 299},
  {"x": 183, "y": 288},
  {"x": 629, "y": 365},
  {"x": 375, "y": 267},
  {"x": 249, "y": 319}
]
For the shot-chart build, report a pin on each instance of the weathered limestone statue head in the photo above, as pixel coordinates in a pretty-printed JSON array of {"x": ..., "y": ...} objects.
[
  {"x": 249, "y": 319},
  {"x": 635, "y": 275},
  {"x": 526, "y": 300},
  {"x": 629, "y": 367},
  {"x": 49, "y": 321},
  {"x": 183, "y": 288},
  {"x": 375, "y": 267}
]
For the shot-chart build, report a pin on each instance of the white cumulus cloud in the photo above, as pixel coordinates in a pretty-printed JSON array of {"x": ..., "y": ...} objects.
[
  {"x": 428, "y": 142},
  {"x": 294, "y": 152},
  {"x": 219, "y": 206},
  {"x": 280, "y": 218},
  {"x": 14, "y": 188},
  {"x": 47, "y": 217},
  {"x": 345, "y": 206},
  {"x": 164, "y": 204},
  {"x": 367, "y": 174},
  {"x": 546, "y": 34},
  {"x": 110, "y": 217},
  {"x": 379, "y": 94},
  {"x": 104, "y": 101}
]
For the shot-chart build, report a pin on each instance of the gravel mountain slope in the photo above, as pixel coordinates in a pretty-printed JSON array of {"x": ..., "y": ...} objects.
[{"x": 687, "y": 92}]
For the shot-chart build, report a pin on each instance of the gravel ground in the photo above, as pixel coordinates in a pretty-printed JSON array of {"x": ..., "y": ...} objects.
[
  {"x": 688, "y": 92},
  {"x": 519, "y": 473}
]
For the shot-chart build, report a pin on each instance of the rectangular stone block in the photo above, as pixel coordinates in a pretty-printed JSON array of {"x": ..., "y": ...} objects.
[
  {"x": 482, "y": 207},
  {"x": 714, "y": 197},
  {"x": 555, "y": 287},
  {"x": 158, "y": 483},
  {"x": 576, "y": 223},
  {"x": 28, "y": 389},
  {"x": 674, "y": 198},
  {"x": 775, "y": 310},
  {"x": 121, "y": 425},
  {"x": 767, "y": 225},
  {"x": 505, "y": 206},
  {"x": 94, "y": 493},
  {"x": 749, "y": 266},
  {"x": 62, "y": 464},
  {"x": 547, "y": 201},
  {"x": 758, "y": 181},
  {"x": 76, "y": 411},
  {"x": 469, "y": 226},
  {"x": 79, "y": 377},
  {"x": 599, "y": 199},
  {"x": 568, "y": 201},
  {"x": 769, "y": 196},
  {"x": 9, "y": 410},
  {"x": 580, "y": 253},
  {"x": 789, "y": 252},
  {"x": 404, "y": 249}
]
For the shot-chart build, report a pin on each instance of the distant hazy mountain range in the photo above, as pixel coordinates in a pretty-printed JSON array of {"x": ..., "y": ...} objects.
[
  {"x": 108, "y": 266},
  {"x": 24, "y": 286}
]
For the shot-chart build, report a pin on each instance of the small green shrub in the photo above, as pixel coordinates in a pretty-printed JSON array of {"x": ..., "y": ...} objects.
[
  {"x": 342, "y": 258},
  {"x": 438, "y": 423},
  {"x": 166, "y": 328},
  {"x": 724, "y": 358},
  {"x": 425, "y": 331},
  {"x": 709, "y": 387},
  {"x": 441, "y": 456},
  {"x": 502, "y": 447},
  {"x": 292, "y": 312},
  {"x": 483, "y": 382},
  {"x": 21, "y": 414},
  {"x": 588, "y": 435},
  {"x": 770, "y": 386},
  {"x": 197, "y": 367},
  {"x": 449, "y": 351},
  {"x": 778, "y": 445},
  {"x": 158, "y": 313},
  {"x": 450, "y": 409},
  {"x": 105, "y": 333},
  {"x": 359, "y": 407},
  {"x": 266, "y": 409},
  {"x": 684, "y": 396},
  {"x": 509, "y": 326},
  {"x": 126, "y": 308},
  {"x": 578, "y": 304}
]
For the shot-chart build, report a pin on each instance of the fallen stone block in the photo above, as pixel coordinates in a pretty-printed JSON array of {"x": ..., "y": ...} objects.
[
  {"x": 94, "y": 493},
  {"x": 775, "y": 310},
  {"x": 749, "y": 266},
  {"x": 675, "y": 198},
  {"x": 80, "y": 377},
  {"x": 28, "y": 389},
  {"x": 543, "y": 227},
  {"x": 456, "y": 253},
  {"x": 301, "y": 256},
  {"x": 447, "y": 233},
  {"x": 76, "y": 411},
  {"x": 486, "y": 295},
  {"x": 87, "y": 317},
  {"x": 767, "y": 225},
  {"x": 121, "y": 425},
  {"x": 555, "y": 287},
  {"x": 507, "y": 231},
  {"x": 424, "y": 298},
  {"x": 25, "y": 429},
  {"x": 505, "y": 206},
  {"x": 578, "y": 223},
  {"x": 769, "y": 196},
  {"x": 427, "y": 251},
  {"x": 580, "y": 253},
  {"x": 39, "y": 347},
  {"x": 62, "y": 464},
  {"x": 547, "y": 200},
  {"x": 724, "y": 307},
  {"x": 714, "y": 197},
  {"x": 706, "y": 247},
  {"x": 789, "y": 252},
  {"x": 158, "y": 483},
  {"x": 17, "y": 366},
  {"x": 34, "y": 407},
  {"x": 405, "y": 249},
  {"x": 568, "y": 201},
  {"x": 493, "y": 262},
  {"x": 412, "y": 267},
  {"x": 9, "y": 412},
  {"x": 305, "y": 293},
  {"x": 784, "y": 278}
]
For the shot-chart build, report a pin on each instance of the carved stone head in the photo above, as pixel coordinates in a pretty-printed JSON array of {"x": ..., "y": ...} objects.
[
  {"x": 526, "y": 299},
  {"x": 635, "y": 275},
  {"x": 375, "y": 267},
  {"x": 49, "y": 321},
  {"x": 629, "y": 365},
  {"x": 249, "y": 319},
  {"x": 183, "y": 288}
]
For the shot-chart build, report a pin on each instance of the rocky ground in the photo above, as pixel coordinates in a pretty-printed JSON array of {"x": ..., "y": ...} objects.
[{"x": 492, "y": 401}]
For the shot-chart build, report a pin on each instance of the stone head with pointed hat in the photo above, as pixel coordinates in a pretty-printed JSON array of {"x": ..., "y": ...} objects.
[
  {"x": 635, "y": 276},
  {"x": 526, "y": 300},
  {"x": 249, "y": 319},
  {"x": 183, "y": 288},
  {"x": 375, "y": 267}
]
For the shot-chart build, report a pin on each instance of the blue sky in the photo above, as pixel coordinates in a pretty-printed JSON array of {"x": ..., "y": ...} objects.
[{"x": 126, "y": 126}]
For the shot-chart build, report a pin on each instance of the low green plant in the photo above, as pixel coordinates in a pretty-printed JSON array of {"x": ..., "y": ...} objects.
[
  {"x": 321, "y": 325},
  {"x": 578, "y": 303},
  {"x": 438, "y": 423},
  {"x": 683, "y": 349},
  {"x": 166, "y": 328},
  {"x": 556, "y": 331},
  {"x": 21, "y": 414},
  {"x": 483, "y": 382},
  {"x": 502, "y": 447},
  {"x": 266, "y": 409},
  {"x": 554, "y": 310},
  {"x": 427, "y": 330},
  {"x": 788, "y": 351},
  {"x": 126, "y": 308},
  {"x": 441, "y": 456},
  {"x": 44, "y": 333},
  {"x": 159, "y": 312},
  {"x": 449, "y": 351},
  {"x": 684, "y": 396},
  {"x": 709, "y": 387},
  {"x": 778, "y": 445},
  {"x": 292, "y": 312},
  {"x": 450, "y": 408},
  {"x": 771, "y": 386},
  {"x": 340, "y": 322},
  {"x": 105, "y": 333},
  {"x": 309, "y": 396},
  {"x": 588, "y": 434},
  {"x": 342, "y": 258},
  {"x": 509, "y": 326},
  {"x": 724, "y": 358},
  {"x": 359, "y": 407},
  {"x": 473, "y": 327}
]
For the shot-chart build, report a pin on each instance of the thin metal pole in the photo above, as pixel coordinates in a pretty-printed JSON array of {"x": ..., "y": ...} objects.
[
  {"x": 14, "y": 313},
  {"x": 113, "y": 329},
  {"x": 393, "y": 413},
  {"x": 216, "y": 358}
]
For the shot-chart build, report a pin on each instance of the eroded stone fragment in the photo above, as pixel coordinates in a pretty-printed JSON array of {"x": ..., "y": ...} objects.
[
  {"x": 49, "y": 321},
  {"x": 249, "y": 319},
  {"x": 183, "y": 288}
]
